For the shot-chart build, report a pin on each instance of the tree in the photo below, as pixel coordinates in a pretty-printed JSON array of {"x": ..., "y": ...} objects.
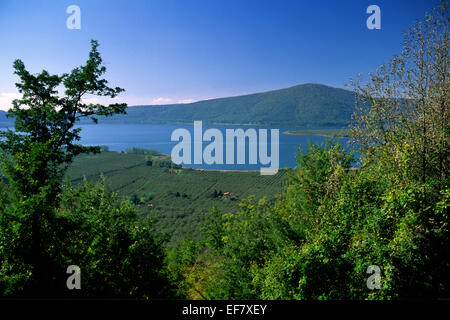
[
  {"x": 36, "y": 155},
  {"x": 404, "y": 108},
  {"x": 115, "y": 247}
]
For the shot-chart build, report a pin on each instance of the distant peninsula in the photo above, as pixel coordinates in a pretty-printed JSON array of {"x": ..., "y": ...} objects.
[{"x": 330, "y": 133}]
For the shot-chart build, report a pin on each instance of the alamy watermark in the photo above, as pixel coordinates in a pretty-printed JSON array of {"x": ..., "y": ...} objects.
[
  {"x": 74, "y": 280},
  {"x": 213, "y": 153},
  {"x": 74, "y": 20},
  {"x": 374, "y": 281},
  {"x": 374, "y": 20}
]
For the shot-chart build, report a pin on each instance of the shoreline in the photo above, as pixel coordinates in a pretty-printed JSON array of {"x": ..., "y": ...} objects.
[
  {"x": 229, "y": 170},
  {"x": 220, "y": 170},
  {"x": 329, "y": 133}
]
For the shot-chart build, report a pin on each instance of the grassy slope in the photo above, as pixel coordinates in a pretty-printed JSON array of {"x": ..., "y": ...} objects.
[
  {"x": 127, "y": 174},
  {"x": 308, "y": 104}
]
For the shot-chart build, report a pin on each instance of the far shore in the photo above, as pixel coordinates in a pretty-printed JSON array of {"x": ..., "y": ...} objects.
[
  {"x": 229, "y": 170},
  {"x": 220, "y": 170},
  {"x": 330, "y": 133}
]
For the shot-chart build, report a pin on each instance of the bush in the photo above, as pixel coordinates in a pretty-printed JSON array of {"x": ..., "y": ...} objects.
[
  {"x": 319, "y": 238},
  {"x": 149, "y": 152},
  {"x": 117, "y": 251}
]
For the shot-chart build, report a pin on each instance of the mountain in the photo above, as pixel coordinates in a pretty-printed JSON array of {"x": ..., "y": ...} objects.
[{"x": 301, "y": 105}]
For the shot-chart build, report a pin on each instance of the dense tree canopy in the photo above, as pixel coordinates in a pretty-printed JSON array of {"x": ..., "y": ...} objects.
[{"x": 45, "y": 228}]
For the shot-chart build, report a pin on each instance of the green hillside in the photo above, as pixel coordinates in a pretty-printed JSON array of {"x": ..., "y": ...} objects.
[
  {"x": 179, "y": 199},
  {"x": 302, "y": 105}
]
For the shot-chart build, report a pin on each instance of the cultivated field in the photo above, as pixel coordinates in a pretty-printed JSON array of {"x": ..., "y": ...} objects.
[{"x": 177, "y": 199}]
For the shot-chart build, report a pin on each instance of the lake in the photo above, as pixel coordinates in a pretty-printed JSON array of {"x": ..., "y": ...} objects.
[{"x": 119, "y": 137}]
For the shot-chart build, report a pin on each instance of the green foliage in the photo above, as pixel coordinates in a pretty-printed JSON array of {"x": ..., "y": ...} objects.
[
  {"x": 149, "y": 152},
  {"x": 216, "y": 193},
  {"x": 318, "y": 175},
  {"x": 234, "y": 244},
  {"x": 155, "y": 159},
  {"x": 318, "y": 239},
  {"x": 185, "y": 268},
  {"x": 43, "y": 230},
  {"x": 404, "y": 107},
  {"x": 149, "y": 196},
  {"x": 116, "y": 250},
  {"x": 104, "y": 148},
  {"x": 164, "y": 164}
]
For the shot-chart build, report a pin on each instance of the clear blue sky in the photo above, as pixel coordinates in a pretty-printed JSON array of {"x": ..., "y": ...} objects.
[{"x": 169, "y": 51}]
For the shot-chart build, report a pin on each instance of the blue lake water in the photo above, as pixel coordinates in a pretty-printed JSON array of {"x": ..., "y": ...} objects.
[{"x": 119, "y": 137}]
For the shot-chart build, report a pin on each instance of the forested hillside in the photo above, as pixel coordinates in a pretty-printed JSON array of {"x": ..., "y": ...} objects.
[{"x": 302, "y": 105}]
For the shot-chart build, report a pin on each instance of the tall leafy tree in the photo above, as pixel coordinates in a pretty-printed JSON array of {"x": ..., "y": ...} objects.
[
  {"x": 404, "y": 108},
  {"x": 36, "y": 154}
]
